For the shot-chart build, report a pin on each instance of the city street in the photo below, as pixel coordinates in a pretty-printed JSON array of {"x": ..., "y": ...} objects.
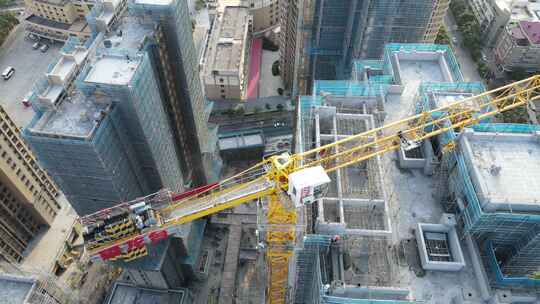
[
  {"x": 29, "y": 65},
  {"x": 466, "y": 63}
]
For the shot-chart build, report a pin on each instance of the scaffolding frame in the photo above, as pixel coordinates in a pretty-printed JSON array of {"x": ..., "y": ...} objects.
[
  {"x": 449, "y": 56},
  {"x": 343, "y": 30},
  {"x": 514, "y": 236}
]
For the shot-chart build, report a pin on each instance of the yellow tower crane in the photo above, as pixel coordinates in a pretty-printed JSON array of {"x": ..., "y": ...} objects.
[{"x": 286, "y": 183}]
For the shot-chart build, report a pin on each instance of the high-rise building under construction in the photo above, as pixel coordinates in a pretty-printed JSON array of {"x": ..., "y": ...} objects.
[
  {"x": 136, "y": 120},
  {"x": 333, "y": 33}
]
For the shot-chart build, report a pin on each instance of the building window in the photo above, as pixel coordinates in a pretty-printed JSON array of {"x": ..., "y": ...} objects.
[
  {"x": 221, "y": 80},
  {"x": 222, "y": 91},
  {"x": 223, "y": 96}
]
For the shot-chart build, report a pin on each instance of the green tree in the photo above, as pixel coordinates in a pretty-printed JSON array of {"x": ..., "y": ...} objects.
[
  {"x": 280, "y": 107},
  {"x": 7, "y": 23},
  {"x": 268, "y": 106},
  {"x": 4, "y": 3},
  {"x": 442, "y": 36},
  {"x": 483, "y": 69},
  {"x": 199, "y": 5}
]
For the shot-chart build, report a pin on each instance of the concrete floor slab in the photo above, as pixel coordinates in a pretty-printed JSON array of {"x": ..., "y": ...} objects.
[
  {"x": 413, "y": 71},
  {"x": 411, "y": 200},
  {"x": 496, "y": 164}
]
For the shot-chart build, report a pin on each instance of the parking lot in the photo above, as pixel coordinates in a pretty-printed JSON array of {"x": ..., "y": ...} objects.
[{"x": 29, "y": 64}]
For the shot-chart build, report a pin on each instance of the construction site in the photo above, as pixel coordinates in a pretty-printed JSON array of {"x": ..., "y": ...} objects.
[
  {"x": 447, "y": 216},
  {"x": 429, "y": 222},
  {"x": 418, "y": 225}
]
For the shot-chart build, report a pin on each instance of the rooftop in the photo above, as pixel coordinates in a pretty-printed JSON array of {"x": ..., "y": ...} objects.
[
  {"x": 52, "y": 92},
  {"x": 154, "y": 2},
  {"x": 422, "y": 66},
  {"x": 63, "y": 68},
  {"x": 113, "y": 69},
  {"x": 15, "y": 289},
  {"x": 228, "y": 41},
  {"x": 123, "y": 293},
  {"x": 76, "y": 116},
  {"x": 130, "y": 33},
  {"x": 532, "y": 30},
  {"x": 241, "y": 141},
  {"x": 521, "y": 9},
  {"x": 80, "y": 25},
  {"x": 496, "y": 161},
  {"x": 442, "y": 99}
]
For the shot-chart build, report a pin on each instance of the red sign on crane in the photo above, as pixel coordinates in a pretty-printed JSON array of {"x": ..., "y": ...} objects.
[
  {"x": 132, "y": 244},
  {"x": 156, "y": 236},
  {"x": 110, "y": 253}
]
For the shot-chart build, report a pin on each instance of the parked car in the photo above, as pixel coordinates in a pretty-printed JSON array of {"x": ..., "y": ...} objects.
[
  {"x": 36, "y": 45},
  {"x": 32, "y": 37},
  {"x": 26, "y": 100},
  {"x": 44, "y": 48},
  {"x": 484, "y": 57},
  {"x": 8, "y": 72}
]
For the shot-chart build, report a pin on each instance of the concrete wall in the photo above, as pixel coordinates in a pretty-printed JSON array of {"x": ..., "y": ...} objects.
[
  {"x": 455, "y": 248},
  {"x": 427, "y": 162}
]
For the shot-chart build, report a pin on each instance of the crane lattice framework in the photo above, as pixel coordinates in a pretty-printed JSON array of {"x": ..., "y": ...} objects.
[{"x": 285, "y": 183}]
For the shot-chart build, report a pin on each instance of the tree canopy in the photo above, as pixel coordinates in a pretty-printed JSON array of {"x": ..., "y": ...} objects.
[{"x": 7, "y": 23}]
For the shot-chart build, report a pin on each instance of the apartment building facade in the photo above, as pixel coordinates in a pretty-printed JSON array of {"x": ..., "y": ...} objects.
[
  {"x": 28, "y": 196},
  {"x": 518, "y": 48},
  {"x": 226, "y": 63},
  {"x": 265, "y": 14},
  {"x": 58, "y": 19},
  {"x": 333, "y": 33}
]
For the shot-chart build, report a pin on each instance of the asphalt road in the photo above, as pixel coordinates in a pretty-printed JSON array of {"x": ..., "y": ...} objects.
[{"x": 29, "y": 65}]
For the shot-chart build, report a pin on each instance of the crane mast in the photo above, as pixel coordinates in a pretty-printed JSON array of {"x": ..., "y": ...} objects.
[{"x": 286, "y": 183}]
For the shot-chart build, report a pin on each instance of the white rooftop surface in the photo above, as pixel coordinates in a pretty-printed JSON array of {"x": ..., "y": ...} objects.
[
  {"x": 79, "y": 54},
  {"x": 133, "y": 33},
  {"x": 153, "y": 2},
  {"x": 504, "y": 4},
  {"x": 106, "y": 15},
  {"x": 75, "y": 118},
  {"x": 505, "y": 170},
  {"x": 113, "y": 70},
  {"x": 52, "y": 92},
  {"x": 237, "y": 142},
  {"x": 447, "y": 98},
  {"x": 420, "y": 70},
  {"x": 522, "y": 9},
  {"x": 63, "y": 67}
]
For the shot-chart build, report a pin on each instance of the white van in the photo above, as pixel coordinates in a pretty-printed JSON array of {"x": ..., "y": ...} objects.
[{"x": 8, "y": 72}]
